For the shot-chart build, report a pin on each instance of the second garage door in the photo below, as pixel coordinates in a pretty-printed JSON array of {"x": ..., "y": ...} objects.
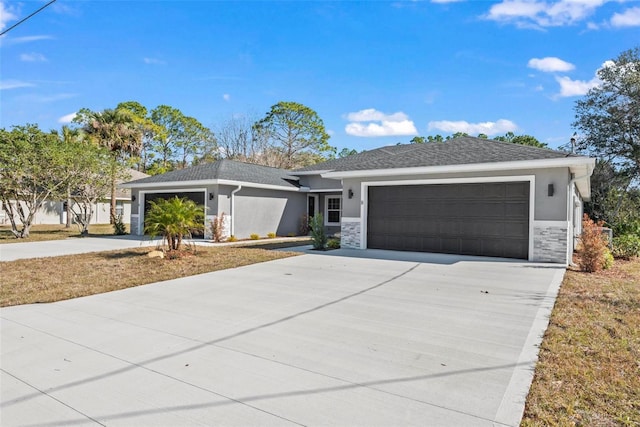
[
  {"x": 486, "y": 219},
  {"x": 196, "y": 196}
]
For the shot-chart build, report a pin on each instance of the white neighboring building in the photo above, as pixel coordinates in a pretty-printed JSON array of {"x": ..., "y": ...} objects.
[{"x": 54, "y": 212}]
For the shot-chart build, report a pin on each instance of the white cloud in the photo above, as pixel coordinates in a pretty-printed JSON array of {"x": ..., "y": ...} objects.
[
  {"x": 14, "y": 84},
  {"x": 488, "y": 128},
  {"x": 22, "y": 40},
  {"x": 67, "y": 119},
  {"x": 154, "y": 61},
  {"x": 550, "y": 64},
  {"x": 569, "y": 87},
  {"x": 540, "y": 13},
  {"x": 33, "y": 57},
  {"x": 7, "y": 14},
  {"x": 628, "y": 18},
  {"x": 371, "y": 123},
  {"x": 226, "y": 97}
]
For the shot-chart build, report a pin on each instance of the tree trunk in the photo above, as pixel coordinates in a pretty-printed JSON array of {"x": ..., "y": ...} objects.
[
  {"x": 68, "y": 224},
  {"x": 112, "y": 207}
]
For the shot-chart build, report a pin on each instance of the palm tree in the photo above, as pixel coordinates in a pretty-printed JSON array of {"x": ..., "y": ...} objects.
[
  {"x": 174, "y": 219},
  {"x": 116, "y": 130}
]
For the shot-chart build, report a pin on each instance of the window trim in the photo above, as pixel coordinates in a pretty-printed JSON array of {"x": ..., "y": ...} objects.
[{"x": 326, "y": 209}]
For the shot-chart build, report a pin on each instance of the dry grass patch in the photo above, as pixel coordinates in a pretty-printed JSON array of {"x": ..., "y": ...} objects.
[
  {"x": 42, "y": 280},
  {"x": 588, "y": 373},
  {"x": 40, "y": 233}
]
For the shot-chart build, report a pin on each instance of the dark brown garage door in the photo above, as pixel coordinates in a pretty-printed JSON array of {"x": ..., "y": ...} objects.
[{"x": 486, "y": 219}]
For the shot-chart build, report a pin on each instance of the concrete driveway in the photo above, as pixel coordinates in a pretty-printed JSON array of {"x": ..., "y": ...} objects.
[
  {"x": 339, "y": 338},
  {"x": 71, "y": 246}
]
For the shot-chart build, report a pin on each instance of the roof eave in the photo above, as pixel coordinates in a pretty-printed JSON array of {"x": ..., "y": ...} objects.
[
  {"x": 200, "y": 183},
  {"x": 474, "y": 167}
]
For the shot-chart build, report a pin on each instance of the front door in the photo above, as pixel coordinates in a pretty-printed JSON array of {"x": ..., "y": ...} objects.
[{"x": 312, "y": 205}]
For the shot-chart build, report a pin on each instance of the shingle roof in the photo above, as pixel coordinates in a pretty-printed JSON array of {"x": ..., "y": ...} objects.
[
  {"x": 457, "y": 151},
  {"x": 225, "y": 170}
]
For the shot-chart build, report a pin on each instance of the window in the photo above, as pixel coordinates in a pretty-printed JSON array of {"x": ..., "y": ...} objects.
[{"x": 333, "y": 210}]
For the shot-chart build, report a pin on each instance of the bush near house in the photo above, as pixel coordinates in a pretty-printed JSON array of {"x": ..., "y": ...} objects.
[
  {"x": 593, "y": 246},
  {"x": 217, "y": 227},
  {"x": 254, "y": 236},
  {"x": 318, "y": 236}
]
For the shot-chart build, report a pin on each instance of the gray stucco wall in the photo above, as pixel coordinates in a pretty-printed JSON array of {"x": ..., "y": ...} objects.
[{"x": 262, "y": 211}]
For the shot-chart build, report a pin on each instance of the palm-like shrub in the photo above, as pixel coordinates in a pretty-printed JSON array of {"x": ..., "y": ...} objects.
[{"x": 174, "y": 219}]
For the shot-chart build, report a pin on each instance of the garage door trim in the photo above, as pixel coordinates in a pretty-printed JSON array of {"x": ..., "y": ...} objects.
[
  {"x": 364, "y": 190},
  {"x": 142, "y": 197}
]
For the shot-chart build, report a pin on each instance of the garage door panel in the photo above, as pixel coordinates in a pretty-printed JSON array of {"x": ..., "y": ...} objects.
[{"x": 490, "y": 219}]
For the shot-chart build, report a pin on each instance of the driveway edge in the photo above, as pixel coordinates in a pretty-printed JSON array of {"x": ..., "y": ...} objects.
[{"x": 511, "y": 408}]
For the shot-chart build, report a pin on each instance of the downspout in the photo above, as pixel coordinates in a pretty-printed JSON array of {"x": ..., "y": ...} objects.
[
  {"x": 570, "y": 207},
  {"x": 233, "y": 211}
]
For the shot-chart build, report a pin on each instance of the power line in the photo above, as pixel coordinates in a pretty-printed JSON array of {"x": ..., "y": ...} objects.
[{"x": 24, "y": 19}]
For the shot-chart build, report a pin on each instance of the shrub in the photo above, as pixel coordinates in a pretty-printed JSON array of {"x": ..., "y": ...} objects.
[
  {"x": 119, "y": 227},
  {"x": 305, "y": 225},
  {"x": 608, "y": 260},
  {"x": 174, "y": 219},
  {"x": 318, "y": 236},
  {"x": 627, "y": 246},
  {"x": 232, "y": 238},
  {"x": 333, "y": 244},
  {"x": 217, "y": 227},
  {"x": 593, "y": 246},
  {"x": 271, "y": 235},
  {"x": 254, "y": 236}
]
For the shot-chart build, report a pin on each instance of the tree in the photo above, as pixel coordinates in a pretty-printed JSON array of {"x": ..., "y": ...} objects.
[
  {"x": 182, "y": 139},
  {"x": 87, "y": 182},
  {"x": 33, "y": 168},
  {"x": 116, "y": 130},
  {"x": 293, "y": 129},
  {"x": 608, "y": 117},
  {"x": 69, "y": 136},
  {"x": 174, "y": 219},
  {"x": 149, "y": 130},
  {"x": 346, "y": 152},
  {"x": 521, "y": 140}
]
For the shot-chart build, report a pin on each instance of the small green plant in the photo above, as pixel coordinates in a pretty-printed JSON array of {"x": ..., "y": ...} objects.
[
  {"x": 593, "y": 246},
  {"x": 318, "y": 236},
  {"x": 254, "y": 236},
  {"x": 119, "y": 227},
  {"x": 232, "y": 238},
  {"x": 271, "y": 235},
  {"x": 608, "y": 260},
  {"x": 333, "y": 244},
  {"x": 626, "y": 247},
  {"x": 217, "y": 227}
]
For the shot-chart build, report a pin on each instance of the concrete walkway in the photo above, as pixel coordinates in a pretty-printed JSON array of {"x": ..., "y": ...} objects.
[{"x": 337, "y": 338}]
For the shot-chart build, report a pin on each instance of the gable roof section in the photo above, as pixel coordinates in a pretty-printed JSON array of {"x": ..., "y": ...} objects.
[
  {"x": 221, "y": 172},
  {"x": 458, "y": 151}
]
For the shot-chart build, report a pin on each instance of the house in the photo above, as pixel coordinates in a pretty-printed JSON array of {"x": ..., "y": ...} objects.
[
  {"x": 465, "y": 196},
  {"x": 54, "y": 211}
]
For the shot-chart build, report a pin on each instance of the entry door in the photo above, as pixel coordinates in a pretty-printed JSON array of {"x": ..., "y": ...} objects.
[{"x": 312, "y": 205}]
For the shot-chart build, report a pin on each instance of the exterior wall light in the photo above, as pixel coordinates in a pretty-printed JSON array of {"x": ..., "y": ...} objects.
[
  {"x": 211, "y": 196},
  {"x": 350, "y": 193},
  {"x": 133, "y": 197},
  {"x": 550, "y": 190}
]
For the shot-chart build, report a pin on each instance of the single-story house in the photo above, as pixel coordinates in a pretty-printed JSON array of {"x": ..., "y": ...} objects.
[
  {"x": 55, "y": 212},
  {"x": 467, "y": 196}
]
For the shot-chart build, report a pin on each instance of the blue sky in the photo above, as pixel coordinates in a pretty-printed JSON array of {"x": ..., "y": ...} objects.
[{"x": 376, "y": 72}]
